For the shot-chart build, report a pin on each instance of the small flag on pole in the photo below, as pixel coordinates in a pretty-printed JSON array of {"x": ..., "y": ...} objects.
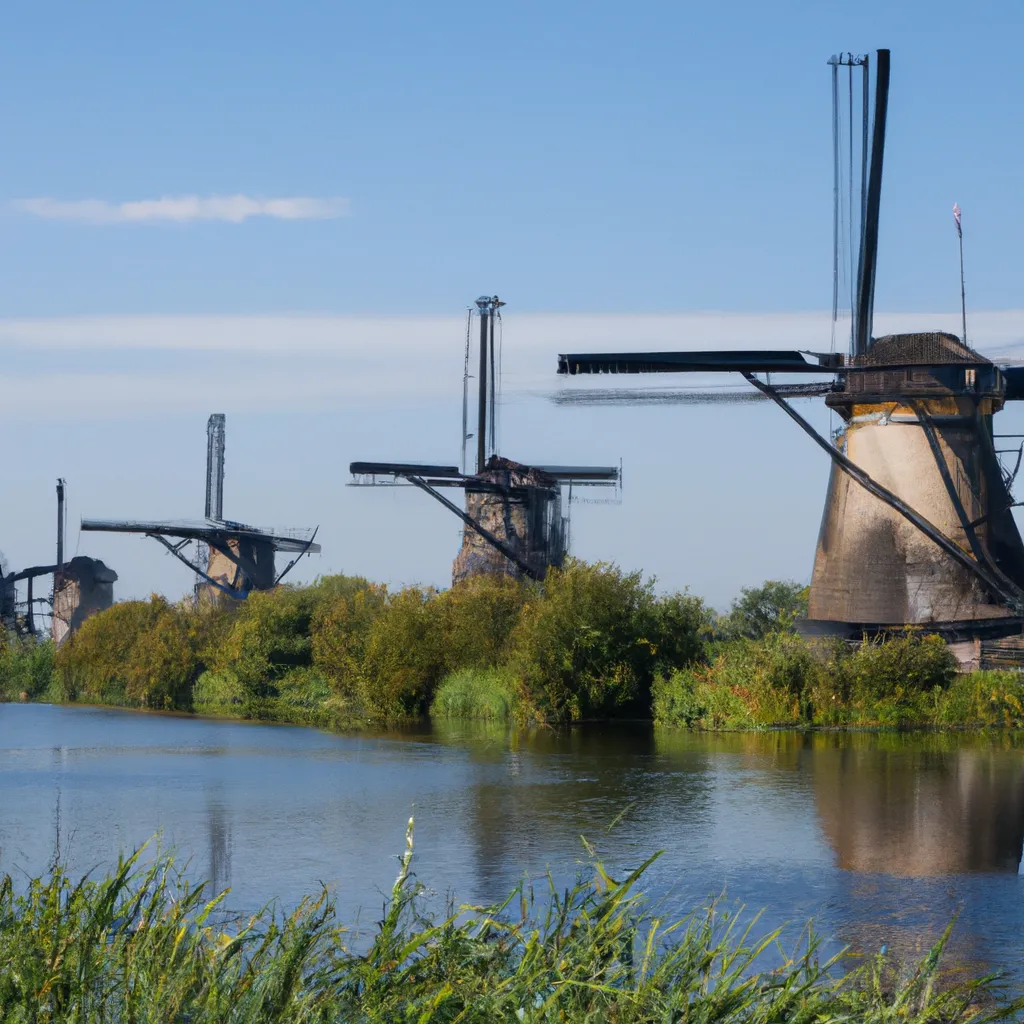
[{"x": 963, "y": 290}]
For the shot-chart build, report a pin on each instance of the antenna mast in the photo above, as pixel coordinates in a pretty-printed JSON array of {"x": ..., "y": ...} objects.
[
  {"x": 215, "y": 441},
  {"x": 60, "y": 522},
  {"x": 488, "y": 306},
  {"x": 465, "y": 390},
  {"x": 963, "y": 290}
]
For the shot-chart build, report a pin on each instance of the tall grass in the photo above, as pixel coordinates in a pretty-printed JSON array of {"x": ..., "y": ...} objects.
[
  {"x": 143, "y": 945},
  {"x": 26, "y": 667},
  {"x": 483, "y": 693}
]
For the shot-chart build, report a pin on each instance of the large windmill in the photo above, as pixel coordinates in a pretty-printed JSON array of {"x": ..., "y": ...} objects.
[
  {"x": 917, "y": 527},
  {"x": 514, "y": 521},
  {"x": 231, "y": 558}
]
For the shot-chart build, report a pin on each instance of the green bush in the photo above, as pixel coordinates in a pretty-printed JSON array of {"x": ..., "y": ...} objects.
[
  {"x": 340, "y": 630},
  {"x": 137, "y": 653},
  {"x": 478, "y": 617},
  {"x": 269, "y": 636},
  {"x": 984, "y": 700},
  {"x": 591, "y": 644},
  {"x": 783, "y": 680},
  {"x": 477, "y": 693},
  {"x": 26, "y": 667},
  {"x": 218, "y": 693},
  {"x": 403, "y": 657}
]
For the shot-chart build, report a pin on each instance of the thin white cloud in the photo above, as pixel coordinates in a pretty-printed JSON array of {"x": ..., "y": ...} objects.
[
  {"x": 183, "y": 209},
  {"x": 995, "y": 333},
  {"x": 133, "y": 364}
]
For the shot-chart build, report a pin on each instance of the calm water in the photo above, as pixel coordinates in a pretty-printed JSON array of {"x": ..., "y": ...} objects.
[{"x": 881, "y": 839}]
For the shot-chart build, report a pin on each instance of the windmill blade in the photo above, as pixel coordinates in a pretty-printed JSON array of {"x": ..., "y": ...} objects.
[
  {"x": 686, "y": 396},
  {"x": 712, "y": 361}
]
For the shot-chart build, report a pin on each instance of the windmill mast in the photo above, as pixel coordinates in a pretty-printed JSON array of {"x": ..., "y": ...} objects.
[
  {"x": 60, "y": 522},
  {"x": 215, "y": 441},
  {"x": 484, "y": 305},
  {"x": 868, "y": 262},
  {"x": 488, "y": 305}
]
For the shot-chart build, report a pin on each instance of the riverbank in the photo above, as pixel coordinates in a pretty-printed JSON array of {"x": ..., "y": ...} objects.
[
  {"x": 142, "y": 944},
  {"x": 592, "y": 643}
]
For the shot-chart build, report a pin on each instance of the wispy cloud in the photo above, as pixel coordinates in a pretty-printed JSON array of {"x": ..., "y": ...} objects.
[
  {"x": 183, "y": 209},
  {"x": 127, "y": 366}
]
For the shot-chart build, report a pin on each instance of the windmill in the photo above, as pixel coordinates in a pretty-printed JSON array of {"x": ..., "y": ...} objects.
[
  {"x": 917, "y": 528},
  {"x": 232, "y": 559},
  {"x": 82, "y": 586},
  {"x": 513, "y": 521}
]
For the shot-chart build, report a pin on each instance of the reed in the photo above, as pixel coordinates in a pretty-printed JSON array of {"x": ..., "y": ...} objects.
[{"x": 144, "y": 945}]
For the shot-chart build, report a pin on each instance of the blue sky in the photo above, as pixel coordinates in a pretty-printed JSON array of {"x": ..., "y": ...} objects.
[{"x": 594, "y": 164}]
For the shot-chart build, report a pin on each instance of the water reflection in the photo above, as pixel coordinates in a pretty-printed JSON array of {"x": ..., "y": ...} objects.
[
  {"x": 920, "y": 806},
  {"x": 536, "y": 790},
  {"x": 218, "y": 832},
  {"x": 881, "y": 839}
]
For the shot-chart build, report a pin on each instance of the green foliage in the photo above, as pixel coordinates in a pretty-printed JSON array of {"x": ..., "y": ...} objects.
[
  {"x": 591, "y": 644},
  {"x": 985, "y": 700},
  {"x": 783, "y": 680},
  {"x": 144, "y": 946},
  {"x": 219, "y": 693},
  {"x": 759, "y": 611},
  {"x": 137, "y": 653},
  {"x": 269, "y": 636},
  {"x": 340, "y": 630},
  {"x": 404, "y": 656},
  {"x": 478, "y": 617},
  {"x": 26, "y": 667},
  {"x": 477, "y": 693},
  {"x": 591, "y": 641}
]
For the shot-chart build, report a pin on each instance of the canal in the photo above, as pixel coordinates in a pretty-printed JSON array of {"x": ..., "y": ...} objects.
[{"x": 880, "y": 838}]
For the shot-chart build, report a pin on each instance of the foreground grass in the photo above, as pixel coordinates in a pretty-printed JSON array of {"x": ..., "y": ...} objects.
[{"x": 142, "y": 945}]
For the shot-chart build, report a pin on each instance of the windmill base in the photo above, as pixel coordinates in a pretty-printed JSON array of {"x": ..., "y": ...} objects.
[{"x": 976, "y": 644}]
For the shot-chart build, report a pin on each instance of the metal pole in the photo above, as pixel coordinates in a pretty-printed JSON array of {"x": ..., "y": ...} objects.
[
  {"x": 493, "y": 425},
  {"x": 483, "y": 304},
  {"x": 60, "y": 521},
  {"x": 864, "y": 144},
  {"x": 465, "y": 392},
  {"x": 963, "y": 292},
  {"x": 869, "y": 239},
  {"x": 835, "y": 194},
  {"x": 849, "y": 198},
  {"x": 30, "y": 625}
]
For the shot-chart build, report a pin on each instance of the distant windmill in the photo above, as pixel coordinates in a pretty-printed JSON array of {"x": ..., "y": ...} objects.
[
  {"x": 513, "y": 520},
  {"x": 917, "y": 527},
  {"x": 81, "y": 587},
  {"x": 237, "y": 558}
]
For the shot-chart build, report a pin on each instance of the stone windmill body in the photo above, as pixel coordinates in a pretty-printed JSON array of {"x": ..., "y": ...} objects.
[
  {"x": 514, "y": 522},
  {"x": 917, "y": 528},
  {"x": 82, "y": 586}
]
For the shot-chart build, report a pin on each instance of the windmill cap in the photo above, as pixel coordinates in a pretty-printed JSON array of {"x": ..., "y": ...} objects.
[{"x": 926, "y": 348}]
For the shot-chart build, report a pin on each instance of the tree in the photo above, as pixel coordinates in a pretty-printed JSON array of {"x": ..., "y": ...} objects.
[{"x": 772, "y": 607}]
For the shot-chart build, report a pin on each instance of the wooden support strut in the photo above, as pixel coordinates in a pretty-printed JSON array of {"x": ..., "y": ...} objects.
[
  {"x": 288, "y": 568},
  {"x": 1010, "y": 591},
  {"x": 491, "y": 539},
  {"x": 929, "y": 529},
  {"x": 175, "y": 550}
]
